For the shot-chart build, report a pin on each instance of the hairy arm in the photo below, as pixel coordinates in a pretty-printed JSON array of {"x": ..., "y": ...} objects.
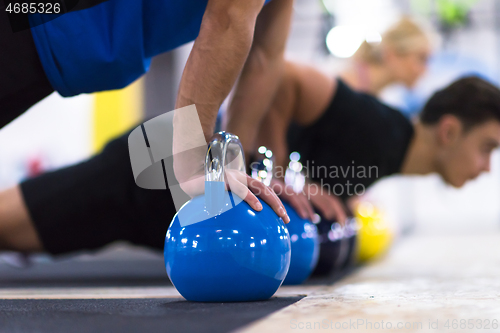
[
  {"x": 261, "y": 74},
  {"x": 217, "y": 57}
]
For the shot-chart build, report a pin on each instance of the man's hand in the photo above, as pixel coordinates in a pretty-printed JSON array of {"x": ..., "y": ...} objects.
[
  {"x": 190, "y": 149},
  {"x": 247, "y": 188},
  {"x": 243, "y": 186}
]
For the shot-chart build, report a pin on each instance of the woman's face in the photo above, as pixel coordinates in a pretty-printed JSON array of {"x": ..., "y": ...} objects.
[{"x": 408, "y": 67}]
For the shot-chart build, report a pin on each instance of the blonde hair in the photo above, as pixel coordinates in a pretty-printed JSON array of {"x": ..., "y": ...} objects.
[{"x": 403, "y": 37}]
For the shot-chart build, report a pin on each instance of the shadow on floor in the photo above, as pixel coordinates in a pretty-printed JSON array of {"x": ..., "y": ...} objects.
[{"x": 132, "y": 315}]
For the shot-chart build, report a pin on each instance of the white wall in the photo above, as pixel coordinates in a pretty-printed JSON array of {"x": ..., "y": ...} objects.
[{"x": 57, "y": 131}]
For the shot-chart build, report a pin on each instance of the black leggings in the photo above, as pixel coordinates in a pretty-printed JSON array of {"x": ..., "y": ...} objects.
[
  {"x": 22, "y": 79},
  {"x": 91, "y": 204}
]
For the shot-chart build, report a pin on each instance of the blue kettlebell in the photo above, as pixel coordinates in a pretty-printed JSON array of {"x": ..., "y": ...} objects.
[
  {"x": 303, "y": 233},
  {"x": 305, "y": 247},
  {"x": 217, "y": 248}
]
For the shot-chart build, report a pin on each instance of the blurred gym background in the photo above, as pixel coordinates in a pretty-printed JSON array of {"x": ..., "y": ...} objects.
[{"x": 466, "y": 38}]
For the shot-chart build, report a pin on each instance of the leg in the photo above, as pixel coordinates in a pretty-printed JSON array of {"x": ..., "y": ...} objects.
[
  {"x": 91, "y": 204},
  {"x": 17, "y": 231},
  {"x": 84, "y": 207}
]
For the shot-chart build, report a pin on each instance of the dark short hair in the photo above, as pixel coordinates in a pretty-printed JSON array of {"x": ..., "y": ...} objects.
[{"x": 471, "y": 99}]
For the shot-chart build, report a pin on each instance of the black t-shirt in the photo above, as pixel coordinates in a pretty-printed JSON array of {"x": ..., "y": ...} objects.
[{"x": 356, "y": 141}]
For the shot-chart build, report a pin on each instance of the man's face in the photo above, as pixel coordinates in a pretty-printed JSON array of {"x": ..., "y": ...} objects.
[{"x": 468, "y": 154}]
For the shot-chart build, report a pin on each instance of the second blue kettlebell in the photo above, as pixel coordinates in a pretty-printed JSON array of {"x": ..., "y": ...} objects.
[
  {"x": 303, "y": 233},
  {"x": 305, "y": 247}
]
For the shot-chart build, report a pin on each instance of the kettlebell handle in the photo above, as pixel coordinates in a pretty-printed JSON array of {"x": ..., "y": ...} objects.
[{"x": 224, "y": 151}]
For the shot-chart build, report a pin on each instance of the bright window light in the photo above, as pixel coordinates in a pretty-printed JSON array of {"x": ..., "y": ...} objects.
[{"x": 344, "y": 41}]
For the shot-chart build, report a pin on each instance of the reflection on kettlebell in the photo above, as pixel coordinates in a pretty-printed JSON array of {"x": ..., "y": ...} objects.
[
  {"x": 332, "y": 246},
  {"x": 303, "y": 233},
  {"x": 351, "y": 239},
  {"x": 305, "y": 247},
  {"x": 337, "y": 246},
  {"x": 217, "y": 248}
]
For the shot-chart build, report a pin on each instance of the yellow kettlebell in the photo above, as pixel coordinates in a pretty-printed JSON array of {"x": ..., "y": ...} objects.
[{"x": 374, "y": 233}]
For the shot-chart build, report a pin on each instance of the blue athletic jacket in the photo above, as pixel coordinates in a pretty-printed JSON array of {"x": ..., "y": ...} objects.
[{"x": 109, "y": 45}]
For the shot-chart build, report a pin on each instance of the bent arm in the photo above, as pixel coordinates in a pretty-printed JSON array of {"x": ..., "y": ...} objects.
[
  {"x": 217, "y": 58},
  {"x": 261, "y": 74}
]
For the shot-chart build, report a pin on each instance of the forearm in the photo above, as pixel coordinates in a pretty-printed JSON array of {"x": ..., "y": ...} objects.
[
  {"x": 217, "y": 58},
  {"x": 262, "y": 74},
  {"x": 272, "y": 134},
  {"x": 252, "y": 98}
]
